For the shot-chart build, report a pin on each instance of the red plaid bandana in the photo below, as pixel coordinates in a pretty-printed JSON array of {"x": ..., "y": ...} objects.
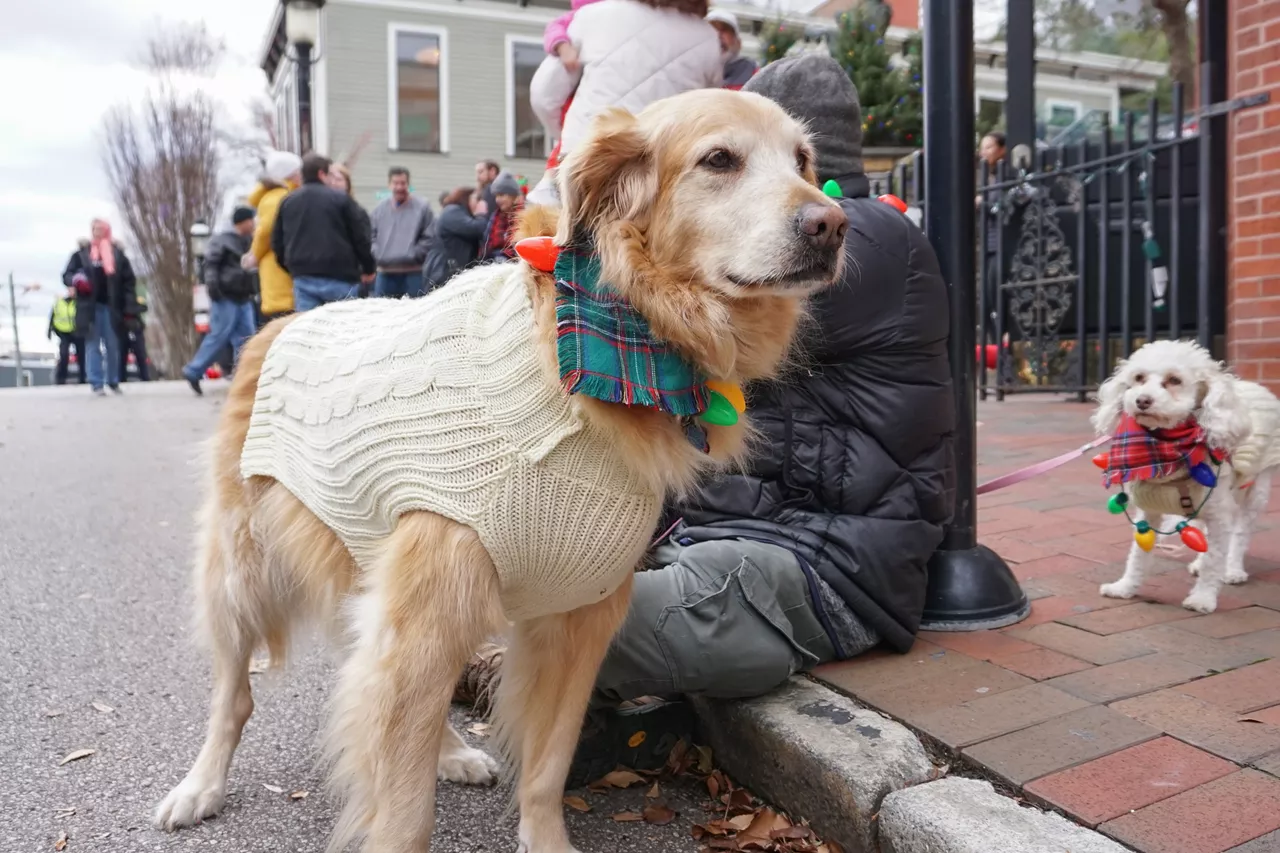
[{"x": 1138, "y": 453}]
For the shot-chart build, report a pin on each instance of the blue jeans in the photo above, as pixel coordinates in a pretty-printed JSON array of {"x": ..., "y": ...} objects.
[
  {"x": 103, "y": 336},
  {"x": 229, "y": 323},
  {"x": 397, "y": 284},
  {"x": 311, "y": 293}
]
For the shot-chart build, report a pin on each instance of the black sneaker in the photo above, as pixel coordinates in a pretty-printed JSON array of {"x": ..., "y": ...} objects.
[
  {"x": 115, "y": 389},
  {"x": 195, "y": 386},
  {"x": 639, "y": 737},
  {"x": 99, "y": 392}
]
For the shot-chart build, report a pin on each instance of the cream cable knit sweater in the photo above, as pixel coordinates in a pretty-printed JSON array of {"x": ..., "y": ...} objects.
[{"x": 370, "y": 409}]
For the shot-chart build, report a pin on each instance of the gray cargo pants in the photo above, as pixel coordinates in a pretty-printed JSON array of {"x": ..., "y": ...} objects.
[{"x": 725, "y": 619}]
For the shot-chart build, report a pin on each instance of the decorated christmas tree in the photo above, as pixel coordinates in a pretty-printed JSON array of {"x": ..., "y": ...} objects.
[
  {"x": 892, "y": 107},
  {"x": 776, "y": 39}
]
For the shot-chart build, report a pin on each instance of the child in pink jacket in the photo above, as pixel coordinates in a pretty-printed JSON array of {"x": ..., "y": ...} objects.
[{"x": 557, "y": 77}]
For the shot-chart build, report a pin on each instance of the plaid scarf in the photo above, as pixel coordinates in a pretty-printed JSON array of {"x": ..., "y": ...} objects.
[
  {"x": 606, "y": 349},
  {"x": 1138, "y": 453}
]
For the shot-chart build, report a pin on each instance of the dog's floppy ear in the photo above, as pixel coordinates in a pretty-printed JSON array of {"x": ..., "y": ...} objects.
[
  {"x": 1111, "y": 401},
  {"x": 1225, "y": 420},
  {"x": 609, "y": 177}
]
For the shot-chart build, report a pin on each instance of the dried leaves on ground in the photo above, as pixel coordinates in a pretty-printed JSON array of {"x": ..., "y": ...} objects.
[
  {"x": 61, "y": 843},
  {"x": 740, "y": 821}
]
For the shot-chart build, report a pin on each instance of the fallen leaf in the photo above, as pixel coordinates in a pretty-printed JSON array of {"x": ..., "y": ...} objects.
[
  {"x": 623, "y": 779},
  {"x": 299, "y": 795},
  {"x": 833, "y": 847},
  {"x": 61, "y": 843},
  {"x": 763, "y": 823},
  {"x": 659, "y": 815},
  {"x": 52, "y": 714},
  {"x": 101, "y": 708},
  {"x": 723, "y": 844},
  {"x": 273, "y": 788},
  {"x": 76, "y": 756},
  {"x": 755, "y": 842},
  {"x": 704, "y": 759},
  {"x": 654, "y": 792},
  {"x": 479, "y": 728},
  {"x": 780, "y": 822},
  {"x": 628, "y": 817},
  {"x": 66, "y": 811},
  {"x": 741, "y": 822},
  {"x": 740, "y": 798},
  {"x": 577, "y": 804},
  {"x": 258, "y": 666},
  {"x": 713, "y": 786},
  {"x": 791, "y": 832}
]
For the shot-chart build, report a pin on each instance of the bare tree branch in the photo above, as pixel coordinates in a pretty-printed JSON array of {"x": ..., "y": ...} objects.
[{"x": 163, "y": 162}]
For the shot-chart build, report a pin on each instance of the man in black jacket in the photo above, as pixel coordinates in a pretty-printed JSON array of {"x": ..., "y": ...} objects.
[
  {"x": 818, "y": 551},
  {"x": 322, "y": 238},
  {"x": 231, "y": 288}
]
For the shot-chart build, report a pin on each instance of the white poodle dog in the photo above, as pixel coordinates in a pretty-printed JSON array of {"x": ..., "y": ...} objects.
[{"x": 1172, "y": 385}]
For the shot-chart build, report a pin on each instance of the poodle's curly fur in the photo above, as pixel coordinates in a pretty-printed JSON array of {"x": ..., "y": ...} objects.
[{"x": 1162, "y": 385}]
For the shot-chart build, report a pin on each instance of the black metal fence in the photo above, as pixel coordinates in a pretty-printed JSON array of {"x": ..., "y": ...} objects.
[{"x": 1092, "y": 249}]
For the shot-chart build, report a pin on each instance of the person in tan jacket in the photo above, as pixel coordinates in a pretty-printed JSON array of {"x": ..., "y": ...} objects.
[{"x": 283, "y": 174}]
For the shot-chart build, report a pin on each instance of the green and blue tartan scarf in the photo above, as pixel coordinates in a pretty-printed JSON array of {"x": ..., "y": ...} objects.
[{"x": 607, "y": 351}]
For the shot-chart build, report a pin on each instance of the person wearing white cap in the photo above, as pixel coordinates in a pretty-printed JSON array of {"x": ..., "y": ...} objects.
[
  {"x": 738, "y": 69},
  {"x": 281, "y": 174}
]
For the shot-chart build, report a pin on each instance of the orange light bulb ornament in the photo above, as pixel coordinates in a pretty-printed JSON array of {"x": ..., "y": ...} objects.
[{"x": 541, "y": 253}]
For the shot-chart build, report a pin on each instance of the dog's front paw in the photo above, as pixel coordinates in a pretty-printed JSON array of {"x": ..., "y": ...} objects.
[
  {"x": 191, "y": 802},
  {"x": 1196, "y": 565},
  {"x": 1235, "y": 576},
  {"x": 1201, "y": 601},
  {"x": 468, "y": 767},
  {"x": 1119, "y": 589}
]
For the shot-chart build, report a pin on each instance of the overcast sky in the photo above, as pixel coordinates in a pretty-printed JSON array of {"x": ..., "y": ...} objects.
[{"x": 65, "y": 63}]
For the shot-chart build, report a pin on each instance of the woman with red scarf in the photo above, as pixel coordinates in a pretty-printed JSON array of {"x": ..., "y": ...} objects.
[{"x": 105, "y": 287}]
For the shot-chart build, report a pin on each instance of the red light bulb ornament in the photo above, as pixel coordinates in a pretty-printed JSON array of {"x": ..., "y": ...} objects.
[
  {"x": 1102, "y": 460},
  {"x": 1193, "y": 538}
]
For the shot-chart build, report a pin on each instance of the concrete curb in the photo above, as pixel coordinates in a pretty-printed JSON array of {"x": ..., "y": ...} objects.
[
  {"x": 959, "y": 815},
  {"x": 817, "y": 755},
  {"x": 862, "y": 779}
]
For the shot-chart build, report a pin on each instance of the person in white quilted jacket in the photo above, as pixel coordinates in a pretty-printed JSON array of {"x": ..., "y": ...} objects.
[{"x": 631, "y": 53}]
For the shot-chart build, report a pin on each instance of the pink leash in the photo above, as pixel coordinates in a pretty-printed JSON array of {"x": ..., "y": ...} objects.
[{"x": 1040, "y": 467}]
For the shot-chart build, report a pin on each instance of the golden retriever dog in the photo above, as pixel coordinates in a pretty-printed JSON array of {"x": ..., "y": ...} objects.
[{"x": 704, "y": 213}]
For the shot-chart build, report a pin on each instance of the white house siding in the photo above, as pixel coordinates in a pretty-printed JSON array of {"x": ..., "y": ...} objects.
[{"x": 357, "y": 88}]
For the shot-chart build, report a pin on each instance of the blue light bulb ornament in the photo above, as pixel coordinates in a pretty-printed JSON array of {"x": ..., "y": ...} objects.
[{"x": 1203, "y": 474}]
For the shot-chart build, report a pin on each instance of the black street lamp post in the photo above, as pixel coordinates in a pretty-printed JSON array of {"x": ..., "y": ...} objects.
[
  {"x": 970, "y": 587},
  {"x": 302, "y": 30}
]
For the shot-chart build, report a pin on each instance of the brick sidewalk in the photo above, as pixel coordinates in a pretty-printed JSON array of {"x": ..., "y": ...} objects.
[{"x": 1157, "y": 726}]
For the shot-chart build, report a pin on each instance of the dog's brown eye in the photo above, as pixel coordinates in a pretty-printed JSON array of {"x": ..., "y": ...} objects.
[
  {"x": 720, "y": 160},
  {"x": 1172, "y": 381},
  {"x": 1140, "y": 378}
]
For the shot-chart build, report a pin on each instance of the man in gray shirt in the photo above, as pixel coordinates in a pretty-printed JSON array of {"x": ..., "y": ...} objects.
[{"x": 401, "y": 238}]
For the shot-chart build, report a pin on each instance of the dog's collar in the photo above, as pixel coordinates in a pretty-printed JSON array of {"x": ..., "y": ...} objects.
[{"x": 606, "y": 349}]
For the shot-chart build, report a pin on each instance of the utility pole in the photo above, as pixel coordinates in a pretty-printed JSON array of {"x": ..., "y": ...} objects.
[{"x": 17, "y": 346}]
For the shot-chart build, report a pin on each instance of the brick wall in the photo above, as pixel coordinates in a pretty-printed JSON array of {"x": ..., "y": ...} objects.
[{"x": 1253, "y": 246}]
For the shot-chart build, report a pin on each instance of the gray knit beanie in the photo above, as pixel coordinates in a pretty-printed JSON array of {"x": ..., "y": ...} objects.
[
  {"x": 505, "y": 184},
  {"x": 813, "y": 88}
]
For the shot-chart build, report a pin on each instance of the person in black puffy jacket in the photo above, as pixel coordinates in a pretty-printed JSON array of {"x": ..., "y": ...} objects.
[{"x": 818, "y": 551}]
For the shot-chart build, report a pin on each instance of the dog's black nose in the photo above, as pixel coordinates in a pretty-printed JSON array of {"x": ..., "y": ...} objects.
[
  {"x": 1143, "y": 403},
  {"x": 824, "y": 225}
]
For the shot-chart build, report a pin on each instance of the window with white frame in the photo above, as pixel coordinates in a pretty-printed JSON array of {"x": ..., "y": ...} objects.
[
  {"x": 418, "y": 90},
  {"x": 286, "y": 116},
  {"x": 526, "y": 136},
  {"x": 990, "y": 114},
  {"x": 1060, "y": 114}
]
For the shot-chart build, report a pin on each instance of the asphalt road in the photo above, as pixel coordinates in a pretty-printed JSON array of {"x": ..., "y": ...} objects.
[{"x": 96, "y": 502}]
